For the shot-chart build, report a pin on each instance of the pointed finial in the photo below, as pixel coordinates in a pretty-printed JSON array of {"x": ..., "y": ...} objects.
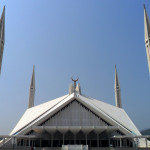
[
  {"x": 147, "y": 36},
  {"x": 117, "y": 90},
  {"x": 32, "y": 90},
  {"x": 3, "y": 11},
  {"x": 74, "y": 82},
  {"x": 116, "y": 77},
  {"x": 71, "y": 89},
  {"x": 78, "y": 88},
  {"x": 33, "y": 67},
  {"x": 2, "y": 36}
]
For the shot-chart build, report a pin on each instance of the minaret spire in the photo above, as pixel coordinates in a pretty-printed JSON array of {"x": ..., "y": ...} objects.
[
  {"x": 117, "y": 90},
  {"x": 75, "y": 88},
  {"x": 32, "y": 90},
  {"x": 75, "y": 82},
  {"x": 2, "y": 36},
  {"x": 78, "y": 88},
  {"x": 147, "y": 36}
]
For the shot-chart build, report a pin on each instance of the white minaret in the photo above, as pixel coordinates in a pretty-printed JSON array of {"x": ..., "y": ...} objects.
[
  {"x": 147, "y": 36},
  {"x": 2, "y": 36},
  {"x": 71, "y": 89},
  {"x": 32, "y": 90},
  {"x": 117, "y": 90},
  {"x": 78, "y": 88},
  {"x": 75, "y": 88}
]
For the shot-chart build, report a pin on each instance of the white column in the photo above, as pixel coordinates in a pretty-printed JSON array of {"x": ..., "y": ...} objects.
[
  {"x": 16, "y": 142},
  {"x": 146, "y": 142},
  {"x": 133, "y": 143},
  {"x": 120, "y": 142},
  {"x": 3, "y": 141},
  {"x": 29, "y": 142},
  {"x": 86, "y": 138}
]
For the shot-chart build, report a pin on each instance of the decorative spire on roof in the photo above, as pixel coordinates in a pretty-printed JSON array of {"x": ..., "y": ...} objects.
[
  {"x": 75, "y": 82},
  {"x": 117, "y": 90},
  {"x": 147, "y": 36},
  {"x": 2, "y": 36},
  {"x": 78, "y": 88},
  {"x": 71, "y": 89},
  {"x": 32, "y": 90},
  {"x": 74, "y": 88}
]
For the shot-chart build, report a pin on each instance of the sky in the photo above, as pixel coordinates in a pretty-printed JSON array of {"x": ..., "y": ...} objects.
[{"x": 80, "y": 38}]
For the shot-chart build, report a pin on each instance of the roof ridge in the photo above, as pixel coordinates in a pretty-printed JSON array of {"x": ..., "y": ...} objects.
[
  {"x": 114, "y": 107},
  {"x": 47, "y": 102},
  {"x": 65, "y": 96},
  {"x": 101, "y": 101}
]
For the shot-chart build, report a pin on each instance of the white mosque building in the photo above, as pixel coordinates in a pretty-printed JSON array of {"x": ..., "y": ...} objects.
[{"x": 75, "y": 121}]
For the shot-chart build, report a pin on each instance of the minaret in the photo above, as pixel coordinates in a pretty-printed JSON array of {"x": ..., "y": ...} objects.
[
  {"x": 75, "y": 88},
  {"x": 117, "y": 90},
  {"x": 32, "y": 90},
  {"x": 147, "y": 36},
  {"x": 2, "y": 36},
  {"x": 71, "y": 89},
  {"x": 78, "y": 88}
]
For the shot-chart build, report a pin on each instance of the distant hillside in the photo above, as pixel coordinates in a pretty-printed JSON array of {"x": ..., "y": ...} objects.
[{"x": 145, "y": 132}]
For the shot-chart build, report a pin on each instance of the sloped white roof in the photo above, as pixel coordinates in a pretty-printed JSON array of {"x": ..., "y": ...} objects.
[
  {"x": 34, "y": 112},
  {"x": 115, "y": 115}
]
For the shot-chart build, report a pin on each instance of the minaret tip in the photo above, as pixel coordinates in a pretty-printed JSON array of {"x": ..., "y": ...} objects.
[
  {"x": 71, "y": 89},
  {"x": 117, "y": 90},
  {"x": 78, "y": 88},
  {"x": 33, "y": 67},
  {"x": 2, "y": 36},
  {"x": 32, "y": 90},
  {"x": 74, "y": 88},
  {"x": 3, "y": 12},
  {"x": 75, "y": 82},
  {"x": 147, "y": 36}
]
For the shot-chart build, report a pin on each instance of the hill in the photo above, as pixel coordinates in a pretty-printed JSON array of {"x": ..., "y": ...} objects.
[{"x": 145, "y": 132}]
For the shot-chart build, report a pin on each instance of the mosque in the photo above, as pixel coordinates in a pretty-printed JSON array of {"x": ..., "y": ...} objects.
[{"x": 75, "y": 121}]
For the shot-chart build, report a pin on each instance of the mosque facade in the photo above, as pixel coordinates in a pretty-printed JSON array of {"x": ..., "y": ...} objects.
[{"x": 75, "y": 121}]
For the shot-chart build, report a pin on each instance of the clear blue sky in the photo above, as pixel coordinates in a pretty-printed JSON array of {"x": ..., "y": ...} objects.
[{"x": 80, "y": 38}]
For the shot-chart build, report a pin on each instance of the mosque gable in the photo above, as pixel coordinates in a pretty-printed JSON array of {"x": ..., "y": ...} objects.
[{"x": 74, "y": 114}]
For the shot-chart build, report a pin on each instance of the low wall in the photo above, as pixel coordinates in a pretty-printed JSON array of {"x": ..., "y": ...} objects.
[
  {"x": 28, "y": 148},
  {"x": 59, "y": 148}
]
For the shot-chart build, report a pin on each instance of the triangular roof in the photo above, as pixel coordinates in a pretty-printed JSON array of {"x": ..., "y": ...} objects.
[
  {"x": 114, "y": 115},
  {"x": 34, "y": 112}
]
